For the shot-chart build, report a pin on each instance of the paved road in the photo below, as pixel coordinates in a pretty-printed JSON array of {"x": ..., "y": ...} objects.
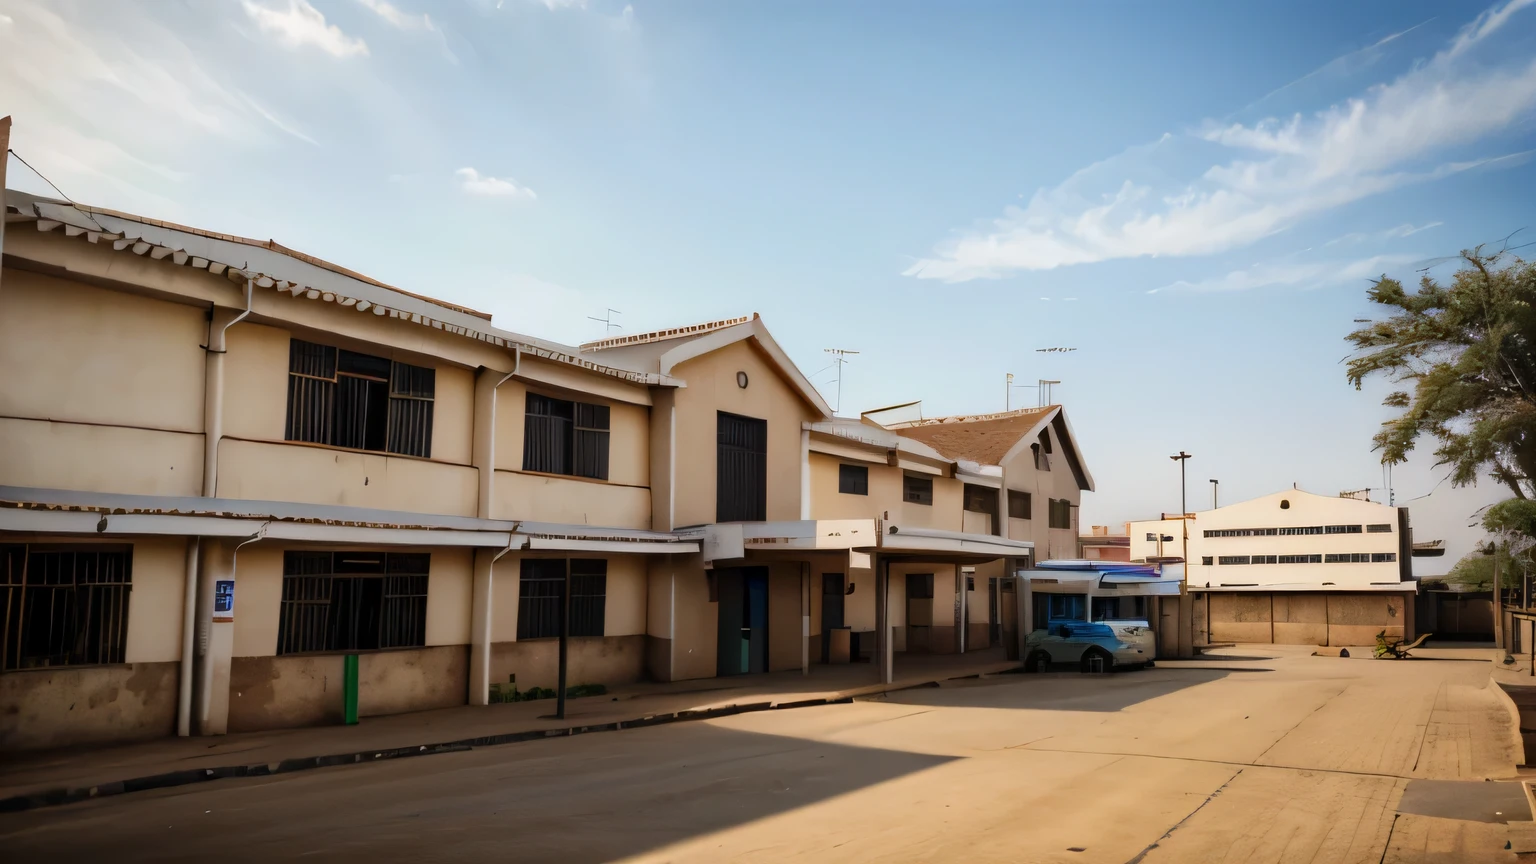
[{"x": 1294, "y": 758}]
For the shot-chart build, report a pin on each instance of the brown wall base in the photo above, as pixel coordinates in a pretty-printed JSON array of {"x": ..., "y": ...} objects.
[
  {"x": 289, "y": 692},
  {"x": 590, "y": 660},
  {"x": 1302, "y": 618},
  {"x": 978, "y": 636},
  {"x": 63, "y": 707},
  {"x": 658, "y": 658}
]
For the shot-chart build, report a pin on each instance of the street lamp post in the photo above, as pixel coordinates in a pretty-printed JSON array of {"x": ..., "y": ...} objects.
[
  {"x": 1186, "y": 609},
  {"x": 1214, "y": 485}
]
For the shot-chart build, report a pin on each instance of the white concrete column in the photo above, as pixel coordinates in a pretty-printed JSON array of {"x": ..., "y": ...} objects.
[
  {"x": 480, "y": 628},
  {"x": 216, "y": 641}
]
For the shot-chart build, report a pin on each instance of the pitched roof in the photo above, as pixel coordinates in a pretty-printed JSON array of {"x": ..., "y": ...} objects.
[
  {"x": 982, "y": 438},
  {"x": 271, "y": 266}
]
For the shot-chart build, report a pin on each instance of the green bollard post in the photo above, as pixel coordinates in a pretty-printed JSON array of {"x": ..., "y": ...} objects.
[{"x": 349, "y": 689}]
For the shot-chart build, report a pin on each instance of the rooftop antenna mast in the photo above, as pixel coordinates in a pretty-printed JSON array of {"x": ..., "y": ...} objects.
[
  {"x": 839, "y": 357},
  {"x": 1044, "y": 396},
  {"x": 607, "y": 321},
  {"x": 1008, "y": 396}
]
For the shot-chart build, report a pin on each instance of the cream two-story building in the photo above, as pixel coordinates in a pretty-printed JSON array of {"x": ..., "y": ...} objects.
[
  {"x": 1292, "y": 567},
  {"x": 226, "y": 466}
]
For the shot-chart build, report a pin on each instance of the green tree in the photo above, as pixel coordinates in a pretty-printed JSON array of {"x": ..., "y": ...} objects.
[
  {"x": 1476, "y": 569},
  {"x": 1465, "y": 350}
]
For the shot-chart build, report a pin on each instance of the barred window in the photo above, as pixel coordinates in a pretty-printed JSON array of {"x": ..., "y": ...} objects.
[
  {"x": 542, "y": 582},
  {"x": 1379, "y": 528},
  {"x": 853, "y": 479},
  {"x": 1342, "y": 529},
  {"x": 1383, "y": 557},
  {"x": 564, "y": 437},
  {"x": 1347, "y": 558},
  {"x": 1261, "y": 559},
  {"x": 352, "y": 601},
  {"x": 1300, "y": 559},
  {"x": 917, "y": 489},
  {"x": 347, "y": 399},
  {"x": 1207, "y": 560},
  {"x": 64, "y": 605},
  {"x": 1020, "y": 504},
  {"x": 1233, "y": 559}
]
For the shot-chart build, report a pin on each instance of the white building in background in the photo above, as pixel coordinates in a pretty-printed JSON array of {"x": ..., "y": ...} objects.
[{"x": 1292, "y": 567}]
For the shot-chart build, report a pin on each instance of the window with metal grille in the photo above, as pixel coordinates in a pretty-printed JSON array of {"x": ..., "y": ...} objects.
[
  {"x": 1347, "y": 558},
  {"x": 1299, "y": 559},
  {"x": 564, "y": 437},
  {"x": 352, "y": 601},
  {"x": 64, "y": 605},
  {"x": 853, "y": 479},
  {"x": 542, "y": 584},
  {"x": 1383, "y": 557},
  {"x": 1020, "y": 504},
  {"x": 1342, "y": 529},
  {"x": 741, "y": 469},
  {"x": 916, "y": 489},
  {"x": 347, "y": 399},
  {"x": 1207, "y": 560},
  {"x": 1233, "y": 559},
  {"x": 1379, "y": 528},
  {"x": 1060, "y": 513},
  {"x": 980, "y": 499},
  {"x": 1261, "y": 559}
]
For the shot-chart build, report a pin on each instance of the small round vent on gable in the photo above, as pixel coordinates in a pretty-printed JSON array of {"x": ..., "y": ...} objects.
[
  {"x": 1285, "y": 504},
  {"x": 741, "y": 380}
]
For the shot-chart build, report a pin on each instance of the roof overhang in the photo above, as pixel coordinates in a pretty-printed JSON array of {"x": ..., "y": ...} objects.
[
  {"x": 54, "y": 511},
  {"x": 931, "y": 544},
  {"x": 755, "y": 330}
]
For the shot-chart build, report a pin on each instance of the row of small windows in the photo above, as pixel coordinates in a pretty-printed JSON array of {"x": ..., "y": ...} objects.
[
  {"x": 918, "y": 489},
  {"x": 1378, "y": 528},
  {"x": 1329, "y": 558}
]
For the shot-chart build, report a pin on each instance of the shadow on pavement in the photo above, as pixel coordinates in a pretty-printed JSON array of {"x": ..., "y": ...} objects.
[
  {"x": 595, "y": 798},
  {"x": 1058, "y": 692}
]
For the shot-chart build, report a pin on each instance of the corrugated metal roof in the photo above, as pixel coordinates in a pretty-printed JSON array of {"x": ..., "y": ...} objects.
[{"x": 273, "y": 266}]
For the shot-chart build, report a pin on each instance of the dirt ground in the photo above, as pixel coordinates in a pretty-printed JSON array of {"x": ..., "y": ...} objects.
[{"x": 1288, "y": 758}]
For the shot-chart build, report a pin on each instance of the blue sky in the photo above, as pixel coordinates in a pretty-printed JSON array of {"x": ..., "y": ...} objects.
[{"x": 1193, "y": 195}]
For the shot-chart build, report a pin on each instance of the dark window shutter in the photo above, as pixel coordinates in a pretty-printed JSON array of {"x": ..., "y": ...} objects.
[
  {"x": 741, "y": 469},
  {"x": 591, "y": 444}
]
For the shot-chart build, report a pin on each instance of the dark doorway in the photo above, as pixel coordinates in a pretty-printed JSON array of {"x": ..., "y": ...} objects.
[
  {"x": 741, "y": 469},
  {"x": 832, "y": 593},
  {"x": 919, "y": 612},
  {"x": 743, "y": 620}
]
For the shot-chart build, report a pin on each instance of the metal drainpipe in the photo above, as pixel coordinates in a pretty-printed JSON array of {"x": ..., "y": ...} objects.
[{"x": 213, "y": 428}]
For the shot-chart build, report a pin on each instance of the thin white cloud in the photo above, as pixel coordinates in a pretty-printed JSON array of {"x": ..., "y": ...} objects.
[
  {"x": 1288, "y": 271},
  {"x": 275, "y": 120},
  {"x": 1344, "y": 64},
  {"x": 116, "y": 108},
  {"x": 475, "y": 183},
  {"x": 1404, "y": 230},
  {"x": 396, "y": 18},
  {"x": 1483, "y": 26},
  {"x": 300, "y": 25},
  {"x": 1279, "y": 173}
]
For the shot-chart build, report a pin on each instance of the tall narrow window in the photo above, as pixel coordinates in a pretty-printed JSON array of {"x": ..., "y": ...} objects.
[
  {"x": 564, "y": 437},
  {"x": 64, "y": 605},
  {"x": 853, "y": 479},
  {"x": 741, "y": 469},
  {"x": 1060, "y": 513},
  {"x": 352, "y": 601},
  {"x": 589, "y": 596},
  {"x": 347, "y": 399}
]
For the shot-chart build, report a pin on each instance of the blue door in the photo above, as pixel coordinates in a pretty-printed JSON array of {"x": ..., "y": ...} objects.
[{"x": 743, "y": 620}]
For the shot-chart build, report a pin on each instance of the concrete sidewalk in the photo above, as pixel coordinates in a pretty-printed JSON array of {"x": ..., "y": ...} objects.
[{"x": 50, "y": 778}]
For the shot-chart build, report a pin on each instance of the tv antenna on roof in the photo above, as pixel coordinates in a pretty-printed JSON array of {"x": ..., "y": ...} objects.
[
  {"x": 1054, "y": 350},
  {"x": 839, "y": 357},
  {"x": 607, "y": 321}
]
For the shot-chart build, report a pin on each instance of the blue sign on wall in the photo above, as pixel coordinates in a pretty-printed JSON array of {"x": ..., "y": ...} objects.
[{"x": 224, "y": 600}]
